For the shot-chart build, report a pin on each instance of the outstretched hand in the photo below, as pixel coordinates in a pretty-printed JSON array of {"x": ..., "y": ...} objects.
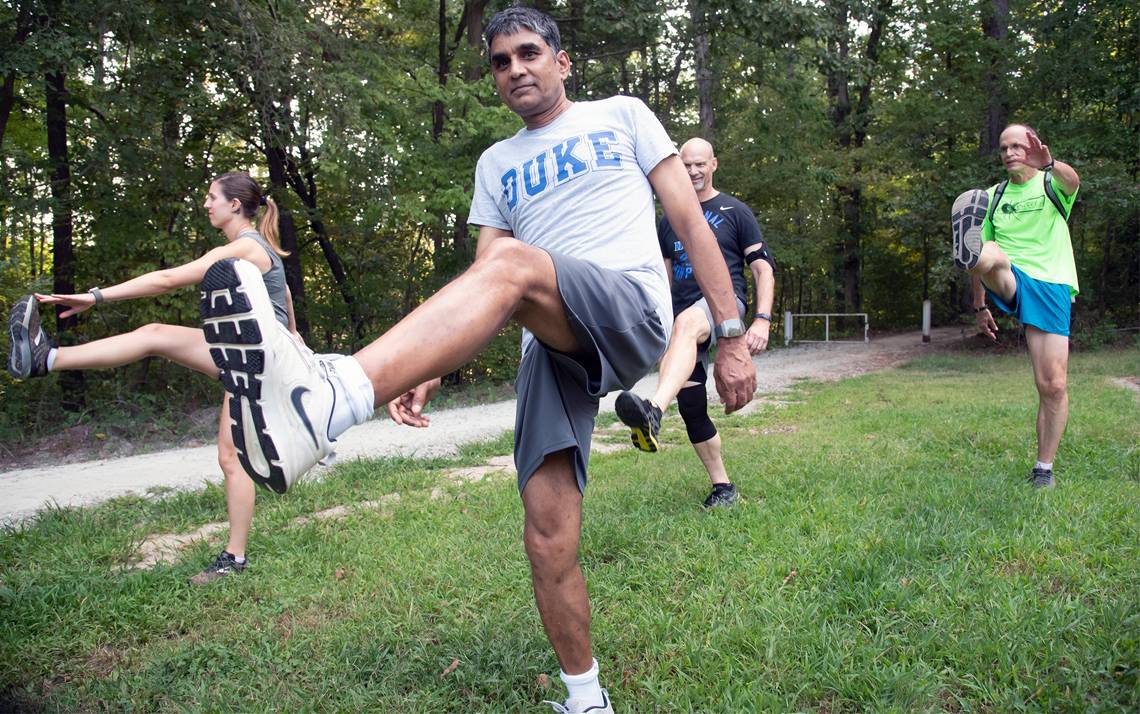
[
  {"x": 408, "y": 407},
  {"x": 1037, "y": 154},
  {"x": 76, "y": 303},
  {"x": 735, "y": 375},
  {"x": 986, "y": 324}
]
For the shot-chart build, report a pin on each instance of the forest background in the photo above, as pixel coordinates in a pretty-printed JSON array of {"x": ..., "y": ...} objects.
[{"x": 849, "y": 126}]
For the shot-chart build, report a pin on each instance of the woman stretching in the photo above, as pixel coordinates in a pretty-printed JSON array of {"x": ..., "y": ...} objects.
[{"x": 232, "y": 203}]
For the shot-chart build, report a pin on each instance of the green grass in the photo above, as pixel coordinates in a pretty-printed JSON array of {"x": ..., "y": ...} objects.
[{"x": 887, "y": 556}]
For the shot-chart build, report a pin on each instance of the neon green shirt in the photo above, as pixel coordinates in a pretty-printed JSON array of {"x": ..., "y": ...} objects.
[{"x": 1032, "y": 232}]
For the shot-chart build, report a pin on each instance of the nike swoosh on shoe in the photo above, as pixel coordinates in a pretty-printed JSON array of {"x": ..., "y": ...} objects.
[{"x": 296, "y": 395}]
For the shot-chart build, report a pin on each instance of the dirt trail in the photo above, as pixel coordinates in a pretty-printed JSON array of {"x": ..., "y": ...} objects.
[{"x": 27, "y": 490}]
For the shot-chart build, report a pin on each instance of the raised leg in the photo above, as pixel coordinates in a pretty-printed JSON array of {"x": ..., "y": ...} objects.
[{"x": 182, "y": 345}]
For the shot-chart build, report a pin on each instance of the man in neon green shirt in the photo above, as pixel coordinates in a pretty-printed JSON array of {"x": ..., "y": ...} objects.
[{"x": 1013, "y": 239}]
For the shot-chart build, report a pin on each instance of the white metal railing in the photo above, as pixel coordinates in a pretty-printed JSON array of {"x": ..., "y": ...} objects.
[{"x": 789, "y": 330}]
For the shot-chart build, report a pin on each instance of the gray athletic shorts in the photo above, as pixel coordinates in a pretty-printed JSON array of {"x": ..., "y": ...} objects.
[
  {"x": 704, "y": 347},
  {"x": 621, "y": 336}
]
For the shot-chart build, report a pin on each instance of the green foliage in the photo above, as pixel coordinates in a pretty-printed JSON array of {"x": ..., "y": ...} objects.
[{"x": 887, "y": 556}]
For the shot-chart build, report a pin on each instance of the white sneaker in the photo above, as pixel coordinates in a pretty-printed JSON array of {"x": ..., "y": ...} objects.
[
  {"x": 282, "y": 397},
  {"x": 575, "y": 706}
]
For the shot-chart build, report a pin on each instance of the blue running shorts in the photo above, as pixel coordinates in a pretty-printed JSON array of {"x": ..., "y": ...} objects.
[{"x": 1046, "y": 306}]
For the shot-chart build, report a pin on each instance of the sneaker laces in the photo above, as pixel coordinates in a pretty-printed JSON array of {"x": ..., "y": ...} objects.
[{"x": 224, "y": 559}]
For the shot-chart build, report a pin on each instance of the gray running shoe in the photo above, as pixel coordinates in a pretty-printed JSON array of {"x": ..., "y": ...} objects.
[
  {"x": 642, "y": 418},
  {"x": 723, "y": 494},
  {"x": 1041, "y": 478},
  {"x": 28, "y": 346},
  {"x": 222, "y": 566},
  {"x": 966, "y": 220}
]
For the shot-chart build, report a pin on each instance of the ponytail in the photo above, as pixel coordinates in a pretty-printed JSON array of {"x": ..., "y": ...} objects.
[{"x": 267, "y": 226}]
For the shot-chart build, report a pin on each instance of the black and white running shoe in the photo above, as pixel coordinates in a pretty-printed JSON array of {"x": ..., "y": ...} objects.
[
  {"x": 225, "y": 564},
  {"x": 28, "y": 345},
  {"x": 643, "y": 419},
  {"x": 1041, "y": 478},
  {"x": 282, "y": 397},
  {"x": 966, "y": 224},
  {"x": 723, "y": 494}
]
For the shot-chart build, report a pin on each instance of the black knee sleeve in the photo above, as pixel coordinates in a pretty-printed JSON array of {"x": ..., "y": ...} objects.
[{"x": 693, "y": 406}]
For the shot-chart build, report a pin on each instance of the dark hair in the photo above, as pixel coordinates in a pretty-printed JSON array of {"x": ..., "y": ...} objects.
[
  {"x": 516, "y": 19},
  {"x": 240, "y": 185}
]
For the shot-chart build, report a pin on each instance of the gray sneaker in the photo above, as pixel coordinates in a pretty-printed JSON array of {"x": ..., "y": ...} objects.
[
  {"x": 28, "y": 346},
  {"x": 966, "y": 220},
  {"x": 1041, "y": 478},
  {"x": 723, "y": 494},
  {"x": 222, "y": 566}
]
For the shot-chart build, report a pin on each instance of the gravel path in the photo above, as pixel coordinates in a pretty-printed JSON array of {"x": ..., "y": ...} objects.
[{"x": 27, "y": 490}]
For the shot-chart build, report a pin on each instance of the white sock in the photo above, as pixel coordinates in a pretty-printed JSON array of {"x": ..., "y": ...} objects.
[
  {"x": 1043, "y": 465},
  {"x": 355, "y": 396},
  {"x": 51, "y": 357},
  {"x": 584, "y": 687}
]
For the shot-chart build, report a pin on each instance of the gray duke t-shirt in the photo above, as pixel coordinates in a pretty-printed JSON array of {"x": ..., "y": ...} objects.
[{"x": 578, "y": 187}]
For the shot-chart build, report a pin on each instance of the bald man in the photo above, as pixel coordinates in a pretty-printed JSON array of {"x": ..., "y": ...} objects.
[
  {"x": 1013, "y": 239},
  {"x": 685, "y": 363}
]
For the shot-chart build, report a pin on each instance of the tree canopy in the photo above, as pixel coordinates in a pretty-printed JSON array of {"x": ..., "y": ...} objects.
[{"x": 848, "y": 125}]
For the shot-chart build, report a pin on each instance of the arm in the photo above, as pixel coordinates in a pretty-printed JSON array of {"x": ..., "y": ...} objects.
[
  {"x": 292, "y": 315},
  {"x": 735, "y": 375},
  {"x": 765, "y": 279},
  {"x": 158, "y": 282},
  {"x": 487, "y": 235},
  {"x": 1064, "y": 176},
  {"x": 984, "y": 317}
]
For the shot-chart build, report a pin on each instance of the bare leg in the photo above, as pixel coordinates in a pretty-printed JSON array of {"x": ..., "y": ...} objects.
[
  {"x": 553, "y": 524},
  {"x": 1049, "y": 355},
  {"x": 182, "y": 345},
  {"x": 690, "y": 328},
  {"x": 240, "y": 489},
  {"x": 509, "y": 280},
  {"x": 709, "y": 453},
  {"x": 996, "y": 271}
]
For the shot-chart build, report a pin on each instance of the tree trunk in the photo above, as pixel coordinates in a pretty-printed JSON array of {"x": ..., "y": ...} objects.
[
  {"x": 63, "y": 258},
  {"x": 473, "y": 13},
  {"x": 7, "y": 99},
  {"x": 286, "y": 230},
  {"x": 995, "y": 24},
  {"x": 701, "y": 59}
]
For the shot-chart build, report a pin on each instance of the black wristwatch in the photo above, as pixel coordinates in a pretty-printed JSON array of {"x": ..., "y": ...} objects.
[
  {"x": 979, "y": 309},
  {"x": 762, "y": 316},
  {"x": 1049, "y": 166}
]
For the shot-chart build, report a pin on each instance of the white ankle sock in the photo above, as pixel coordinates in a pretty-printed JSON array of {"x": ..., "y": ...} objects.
[
  {"x": 51, "y": 357},
  {"x": 1043, "y": 465},
  {"x": 584, "y": 687},
  {"x": 355, "y": 396}
]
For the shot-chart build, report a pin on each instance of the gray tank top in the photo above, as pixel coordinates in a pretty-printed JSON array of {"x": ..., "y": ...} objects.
[{"x": 274, "y": 278}]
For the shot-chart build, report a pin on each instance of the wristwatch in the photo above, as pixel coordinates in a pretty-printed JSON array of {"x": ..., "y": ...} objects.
[
  {"x": 762, "y": 316},
  {"x": 729, "y": 328}
]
